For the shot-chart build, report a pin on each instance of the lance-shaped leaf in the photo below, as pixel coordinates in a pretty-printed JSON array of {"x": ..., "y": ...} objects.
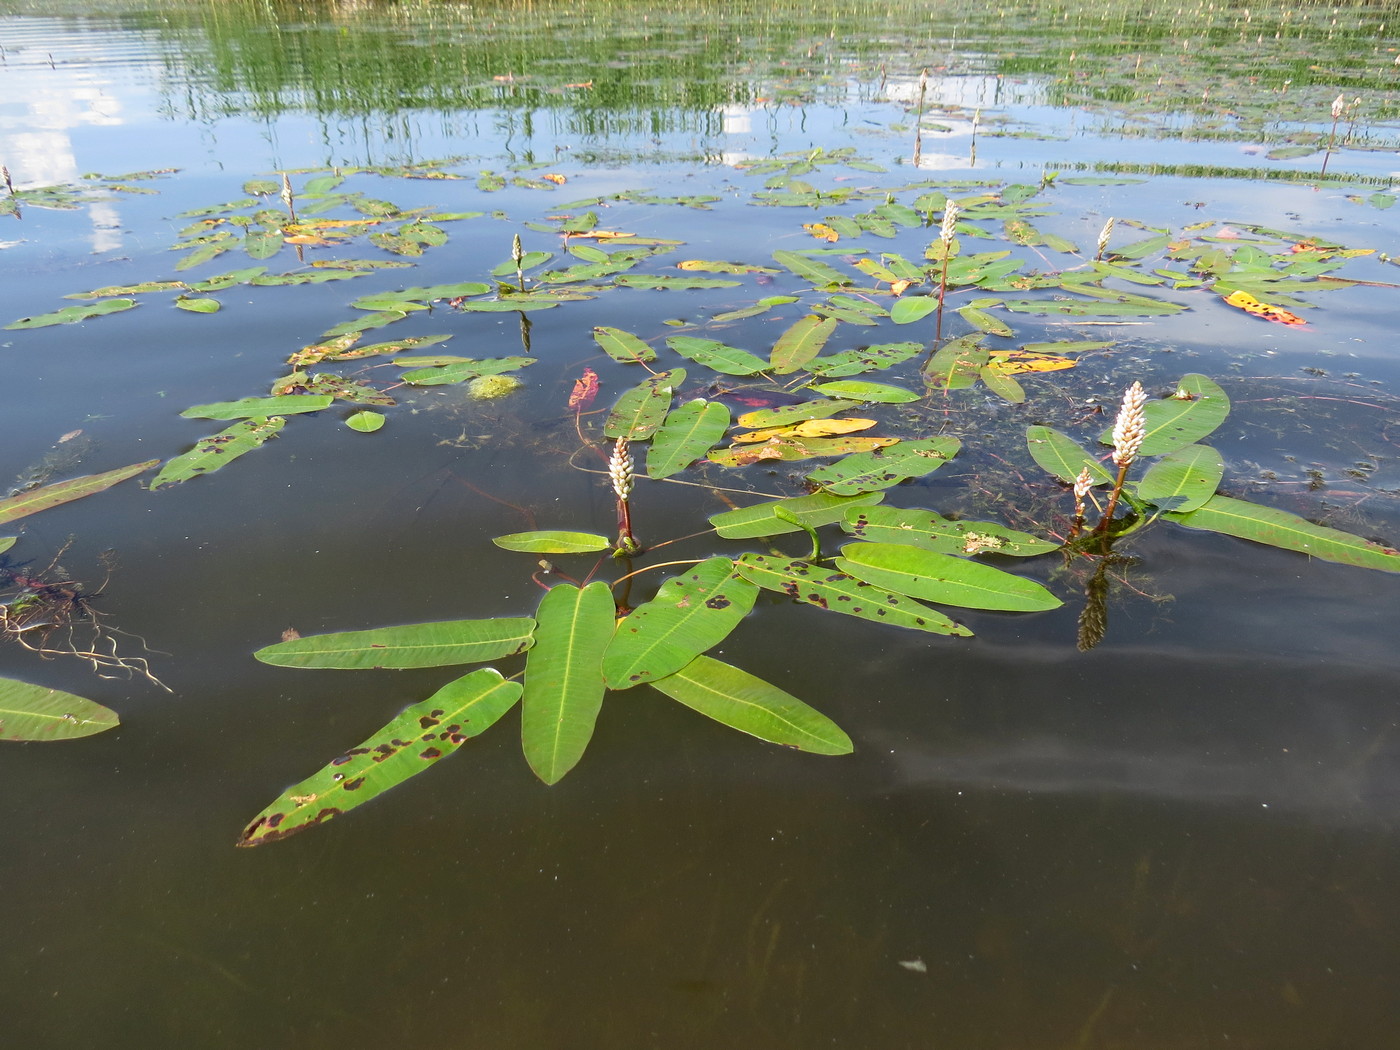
[
  {"x": 884, "y": 467},
  {"x": 545, "y": 541},
  {"x": 814, "y": 511},
  {"x": 838, "y": 592},
  {"x": 985, "y": 322},
  {"x": 438, "y": 644},
  {"x": 1279, "y": 528},
  {"x": 690, "y": 613},
  {"x": 870, "y": 359},
  {"x": 958, "y": 364},
  {"x": 942, "y": 578},
  {"x": 686, "y": 435},
  {"x": 218, "y": 450},
  {"x": 623, "y": 346},
  {"x": 800, "y": 343},
  {"x": 713, "y": 354},
  {"x": 412, "y": 742},
  {"x": 855, "y": 390},
  {"x": 71, "y": 314},
  {"x": 33, "y": 501},
  {"x": 641, "y": 410},
  {"x": 463, "y": 371},
  {"x": 660, "y": 283},
  {"x": 1122, "y": 307},
  {"x": 1062, "y": 456},
  {"x": 787, "y": 414},
  {"x": 789, "y": 448},
  {"x": 259, "y": 407},
  {"x": 1183, "y": 480},
  {"x": 32, "y": 712},
  {"x": 564, "y": 677},
  {"x": 924, "y": 528},
  {"x": 749, "y": 704},
  {"x": 812, "y": 270},
  {"x": 1196, "y": 408}
]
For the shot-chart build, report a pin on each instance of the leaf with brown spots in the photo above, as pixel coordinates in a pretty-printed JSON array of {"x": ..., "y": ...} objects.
[
  {"x": 411, "y": 743},
  {"x": 690, "y": 613},
  {"x": 837, "y": 592}
]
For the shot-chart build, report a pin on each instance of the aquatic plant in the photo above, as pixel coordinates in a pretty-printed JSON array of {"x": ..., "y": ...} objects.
[{"x": 906, "y": 566}]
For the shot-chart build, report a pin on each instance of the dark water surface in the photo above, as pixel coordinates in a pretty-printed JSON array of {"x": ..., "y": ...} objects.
[{"x": 1183, "y": 837}]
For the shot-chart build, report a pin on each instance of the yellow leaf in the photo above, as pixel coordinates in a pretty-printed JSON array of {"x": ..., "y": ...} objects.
[
  {"x": 1245, "y": 301},
  {"x": 821, "y": 231},
  {"x": 808, "y": 429},
  {"x": 558, "y": 180},
  {"x": 900, "y": 287},
  {"x": 1014, "y": 362},
  {"x": 601, "y": 235},
  {"x": 793, "y": 449}
]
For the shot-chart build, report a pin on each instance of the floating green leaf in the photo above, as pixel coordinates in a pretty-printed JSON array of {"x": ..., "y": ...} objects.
[
  {"x": 686, "y": 435},
  {"x": 564, "y": 678},
  {"x": 716, "y": 355},
  {"x": 1062, "y": 456},
  {"x": 812, "y": 511},
  {"x": 659, "y": 283},
  {"x": 1104, "y": 308},
  {"x": 762, "y": 306},
  {"x": 33, "y": 501},
  {"x": 259, "y": 407},
  {"x": 130, "y": 289},
  {"x": 412, "y": 742},
  {"x": 985, "y": 322},
  {"x": 812, "y": 270},
  {"x": 855, "y": 390},
  {"x": 1183, "y": 480},
  {"x": 197, "y": 305},
  {"x": 32, "y": 712},
  {"x": 462, "y": 371},
  {"x": 73, "y": 314},
  {"x": 365, "y": 422},
  {"x": 749, "y": 704},
  {"x": 913, "y": 308},
  {"x": 884, "y": 467},
  {"x": 1196, "y": 408},
  {"x": 837, "y": 592},
  {"x": 1279, "y": 528},
  {"x": 924, "y": 528},
  {"x": 870, "y": 359},
  {"x": 785, "y": 414},
  {"x": 439, "y": 644},
  {"x": 211, "y": 453},
  {"x": 800, "y": 343},
  {"x": 545, "y": 541},
  {"x": 641, "y": 410},
  {"x": 922, "y": 573},
  {"x": 623, "y": 346},
  {"x": 691, "y": 613}
]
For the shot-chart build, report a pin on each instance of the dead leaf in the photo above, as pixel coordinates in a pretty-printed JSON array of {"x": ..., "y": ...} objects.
[
  {"x": 821, "y": 231},
  {"x": 1248, "y": 303}
]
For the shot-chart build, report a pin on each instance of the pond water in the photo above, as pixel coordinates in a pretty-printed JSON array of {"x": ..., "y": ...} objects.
[{"x": 1160, "y": 815}]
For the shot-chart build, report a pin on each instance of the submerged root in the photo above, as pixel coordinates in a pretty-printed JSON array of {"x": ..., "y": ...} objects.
[{"x": 52, "y": 615}]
